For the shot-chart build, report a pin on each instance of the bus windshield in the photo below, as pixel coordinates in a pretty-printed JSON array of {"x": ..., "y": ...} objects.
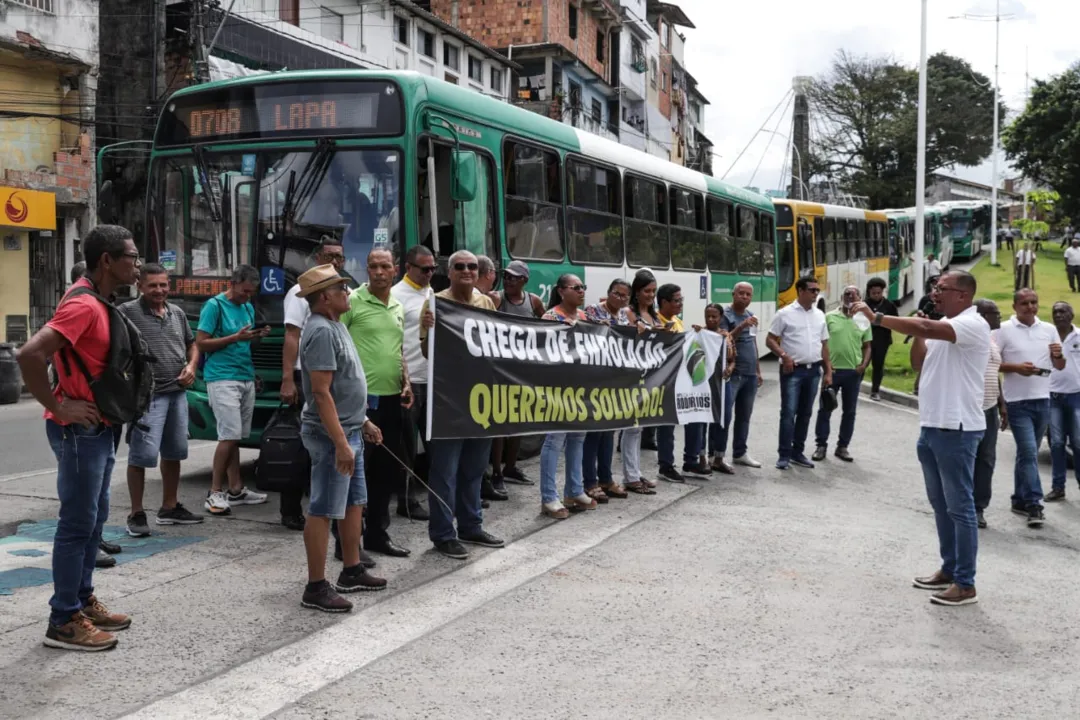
[
  {"x": 271, "y": 209},
  {"x": 961, "y": 225}
]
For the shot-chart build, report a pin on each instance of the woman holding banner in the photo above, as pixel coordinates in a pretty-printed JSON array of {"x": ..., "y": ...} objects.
[
  {"x": 642, "y": 299},
  {"x": 600, "y": 446},
  {"x": 567, "y": 297}
]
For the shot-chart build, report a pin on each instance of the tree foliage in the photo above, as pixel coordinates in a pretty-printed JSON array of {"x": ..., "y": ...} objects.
[
  {"x": 868, "y": 108},
  {"x": 1044, "y": 141}
]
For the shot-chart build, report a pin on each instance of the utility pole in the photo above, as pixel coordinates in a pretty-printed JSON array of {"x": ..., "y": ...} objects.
[
  {"x": 920, "y": 173},
  {"x": 994, "y": 179},
  {"x": 198, "y": 38},
  {"x": 800, "y": 138}
]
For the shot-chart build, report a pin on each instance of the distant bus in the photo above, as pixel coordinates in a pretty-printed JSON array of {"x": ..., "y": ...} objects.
[
  {"x": 838, "y": 245},
  {"x": 936, "y": 242},
  {"x": 968, "y": 223}
]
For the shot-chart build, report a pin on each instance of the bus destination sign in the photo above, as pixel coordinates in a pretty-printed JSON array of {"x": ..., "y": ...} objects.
[{"x": 282, "y": 110}]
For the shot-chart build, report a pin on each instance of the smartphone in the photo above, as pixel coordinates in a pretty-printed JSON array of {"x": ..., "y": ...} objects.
[{"x": 1043, "y": 372}]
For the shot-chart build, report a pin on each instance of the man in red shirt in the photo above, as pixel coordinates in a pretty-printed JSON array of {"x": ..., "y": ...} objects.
[{"x": 80, "y": 438}]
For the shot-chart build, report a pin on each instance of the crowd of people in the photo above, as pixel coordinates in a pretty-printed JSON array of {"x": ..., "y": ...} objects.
[{"x": 355, "y": 362}]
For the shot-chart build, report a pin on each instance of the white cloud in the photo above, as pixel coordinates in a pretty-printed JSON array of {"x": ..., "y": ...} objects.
[{"x": 745, "y": 55}]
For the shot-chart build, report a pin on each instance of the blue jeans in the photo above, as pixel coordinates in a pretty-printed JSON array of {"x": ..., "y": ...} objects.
[
  {"x": 597, "y": 453},
  {"x": 798, "y": 389},
  {"x": 665, "y": 446},
  {"x": 739, "y": 396},
  {"x": 84, "y": 459},
  {"x": 694, "y": 442},
  {"x": 554, "y": 445},
  {"x": 847, "y": 384},
  {"x": 1028, "y": 420},
  {"x": 1064, "y": 426},
  {"x": 456, "y": 470},
  {"x": 948, "y": 465}
]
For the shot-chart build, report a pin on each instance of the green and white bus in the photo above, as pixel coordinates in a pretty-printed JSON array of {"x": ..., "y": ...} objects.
[
  {"x": 968, "y": 221},
  {"x": 936, "y": 240},
  {"x": 258, "y": 170}
]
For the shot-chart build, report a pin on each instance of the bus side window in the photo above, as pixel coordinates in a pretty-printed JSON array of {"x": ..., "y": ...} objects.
[
  {"x": 646, "y": 223},
  {"x": 805, "y": 238},
  {"x": 593, "y": 214},
  {"x": 864, "y": 243},
  {"x": 720, "y": 246},
  {"x": 687, "y": 230},
  {"x": 474, "y": 221},
  {"x": 819, "y": 240},
  {"x": 852, "y": 240},
  {"x": 532, "y": 183},
  {"x": 747, "y": 250},
  {"x": 830, "y": 241},
  {"x": 768, "y": 246}
]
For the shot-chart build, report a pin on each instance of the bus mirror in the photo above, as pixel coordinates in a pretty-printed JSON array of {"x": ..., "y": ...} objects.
[{"x": 464, "y": 176}]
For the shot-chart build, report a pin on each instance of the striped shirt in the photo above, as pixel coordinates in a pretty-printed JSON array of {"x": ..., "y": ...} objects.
[
  {"x": 990, "y": 381},
  {"x": 168, "y": 338}
]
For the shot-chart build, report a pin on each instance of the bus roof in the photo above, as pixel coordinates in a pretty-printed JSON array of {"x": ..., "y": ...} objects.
[
  {"x": 486, "y": 110},
  {"x": 963, "y": 204},
  {"x": 837, "y": 211}
]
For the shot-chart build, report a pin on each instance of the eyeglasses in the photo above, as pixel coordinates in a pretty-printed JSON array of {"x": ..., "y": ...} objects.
[
  {"x": 940, "y": 289},
  {"x": 462, "y": 267},
  {"x": 576, "y": 288},
  {"x": 134, "y": 256},
  {"x": 621, "y": 295},
  {"x": 334, "y": 257}
]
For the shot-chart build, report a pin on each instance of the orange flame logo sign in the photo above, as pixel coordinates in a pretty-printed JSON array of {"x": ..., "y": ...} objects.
[{"x": 16, "y": 209}]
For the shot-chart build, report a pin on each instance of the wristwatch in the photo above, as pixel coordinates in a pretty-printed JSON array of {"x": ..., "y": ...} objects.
[{"x": 878, "y": 317}]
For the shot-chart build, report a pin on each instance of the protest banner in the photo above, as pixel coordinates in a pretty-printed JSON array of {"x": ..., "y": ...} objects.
[{"x": 497, "y": 375}]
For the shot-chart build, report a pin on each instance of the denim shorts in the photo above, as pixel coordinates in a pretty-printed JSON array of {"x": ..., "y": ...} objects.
[
  {"x": 332, "y": 492},
  {"x": 167, "y": 433},
  {"x": 233, "y": 404}
]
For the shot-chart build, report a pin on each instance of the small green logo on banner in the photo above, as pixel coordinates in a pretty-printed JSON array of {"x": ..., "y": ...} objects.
[{"x": 695, "y": 363}]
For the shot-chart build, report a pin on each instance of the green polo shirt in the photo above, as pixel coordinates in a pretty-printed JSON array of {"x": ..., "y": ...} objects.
[
  {"x": 377, "y": 330},
  {"x": 845, "y": 340}
]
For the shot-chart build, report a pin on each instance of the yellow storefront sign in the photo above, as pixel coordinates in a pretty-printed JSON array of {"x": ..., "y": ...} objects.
[{"x": 29, "y": 209}]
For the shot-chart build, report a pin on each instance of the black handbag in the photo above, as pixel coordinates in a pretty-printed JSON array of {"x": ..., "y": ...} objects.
[
  {"x": 284, "y": 463},
  {"x": 828, "y": 398}
]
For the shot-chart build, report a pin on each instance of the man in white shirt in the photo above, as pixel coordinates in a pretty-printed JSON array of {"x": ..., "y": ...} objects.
[
  {"x": 933, "y": 269},
  {"x": 1064, "y": 400},
  {"x": 997, "y": 415},
  {"x": 952, "y": 354},
  {"x": 413, "y": 290},
  {"x": 297, "y": 312},
  {"x": 1025, "y": 267},
  {"x": 1030, "y": 348},
  {"x": 1072, "y": 265},
  {"x": 799, "y": 337}
]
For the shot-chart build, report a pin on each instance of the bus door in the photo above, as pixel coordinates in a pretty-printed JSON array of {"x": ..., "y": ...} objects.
[{"x": 805, "y": 248}]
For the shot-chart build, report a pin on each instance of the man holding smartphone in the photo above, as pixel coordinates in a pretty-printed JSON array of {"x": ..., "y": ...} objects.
[{"x": 1030, "y": 348}]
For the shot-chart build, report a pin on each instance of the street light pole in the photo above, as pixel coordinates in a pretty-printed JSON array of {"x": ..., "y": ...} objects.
[
  {"x": 994, "y": 179},
  {"x": 920, "y": 176}
]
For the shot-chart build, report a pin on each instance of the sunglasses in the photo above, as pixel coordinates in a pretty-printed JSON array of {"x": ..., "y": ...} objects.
[
  {"x": 426, "y": 269},
  {"x": 577, "y": 288},
  {"x": 462, "y": 267}
]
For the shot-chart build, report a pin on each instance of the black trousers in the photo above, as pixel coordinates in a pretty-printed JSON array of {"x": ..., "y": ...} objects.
[
  {"x": 877, "y": 363},
  {"x": 382, "y": 472},
  {"x": 414, "y": 432},
  {"x": 292, "y": 500}
]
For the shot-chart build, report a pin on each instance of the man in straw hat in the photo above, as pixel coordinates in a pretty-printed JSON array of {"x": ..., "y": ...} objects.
[{"x": 335, "y": 426}]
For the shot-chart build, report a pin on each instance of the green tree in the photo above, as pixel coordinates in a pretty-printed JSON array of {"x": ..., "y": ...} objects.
[
  {"x": 1044, "y": 141},
  {"x": 868, "y": 108}
]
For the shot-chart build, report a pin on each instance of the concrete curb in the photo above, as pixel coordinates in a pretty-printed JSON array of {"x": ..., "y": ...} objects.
[{"x": 893, "y": 396}]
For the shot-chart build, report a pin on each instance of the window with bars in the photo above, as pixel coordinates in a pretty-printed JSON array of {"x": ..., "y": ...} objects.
[{"x": 45, "y": 6}]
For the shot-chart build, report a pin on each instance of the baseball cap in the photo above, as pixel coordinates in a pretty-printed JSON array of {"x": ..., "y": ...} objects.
[{"x": 518, "y": 269}]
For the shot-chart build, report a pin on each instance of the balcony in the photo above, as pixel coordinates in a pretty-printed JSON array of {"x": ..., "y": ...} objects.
[
  {"x": 587, "y": 123},
  {"x": 605, "y": 9}
]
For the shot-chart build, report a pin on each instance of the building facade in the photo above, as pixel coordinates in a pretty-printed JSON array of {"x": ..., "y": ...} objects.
[{"x": 49, "y": 54}]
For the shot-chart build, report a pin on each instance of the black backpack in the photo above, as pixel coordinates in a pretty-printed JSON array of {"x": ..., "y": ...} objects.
[
  {"x": 284, "y": 463},
  {"x": 125, "y": 388}
]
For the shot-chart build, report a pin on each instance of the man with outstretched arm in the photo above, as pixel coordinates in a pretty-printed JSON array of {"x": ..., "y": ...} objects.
[{"x": 952, "y": 354}]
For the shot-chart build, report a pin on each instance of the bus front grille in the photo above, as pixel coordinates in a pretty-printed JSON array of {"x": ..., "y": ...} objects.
[{"x": 266, "y": 356}]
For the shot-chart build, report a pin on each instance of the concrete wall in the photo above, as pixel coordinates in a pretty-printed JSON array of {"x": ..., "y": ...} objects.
[{"x": 72, "y": 28}]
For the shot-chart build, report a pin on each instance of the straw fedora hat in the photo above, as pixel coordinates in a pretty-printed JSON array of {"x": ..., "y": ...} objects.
[{"x": 318, "y": 278}]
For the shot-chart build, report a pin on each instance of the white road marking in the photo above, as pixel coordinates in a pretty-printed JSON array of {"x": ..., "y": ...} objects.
[
  {"x": 284, "y": 676},
  {"x": 120, "y": 460}
]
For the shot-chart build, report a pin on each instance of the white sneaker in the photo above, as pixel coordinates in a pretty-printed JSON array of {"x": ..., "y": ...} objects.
[
  {"x": 246, "y": 497},
  {"x": 747, "y": 461},
  {"x": 216, "y": 503}
]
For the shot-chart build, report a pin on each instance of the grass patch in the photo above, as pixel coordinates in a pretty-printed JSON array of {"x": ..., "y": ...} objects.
[{"x": 995, "y": 283}]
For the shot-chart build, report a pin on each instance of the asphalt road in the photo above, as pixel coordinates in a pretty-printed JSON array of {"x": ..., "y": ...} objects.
[{"x": 767, "y": 594}]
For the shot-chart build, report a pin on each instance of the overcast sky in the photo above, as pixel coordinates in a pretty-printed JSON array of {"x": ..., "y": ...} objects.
[{"x": 744, "y": 55}]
